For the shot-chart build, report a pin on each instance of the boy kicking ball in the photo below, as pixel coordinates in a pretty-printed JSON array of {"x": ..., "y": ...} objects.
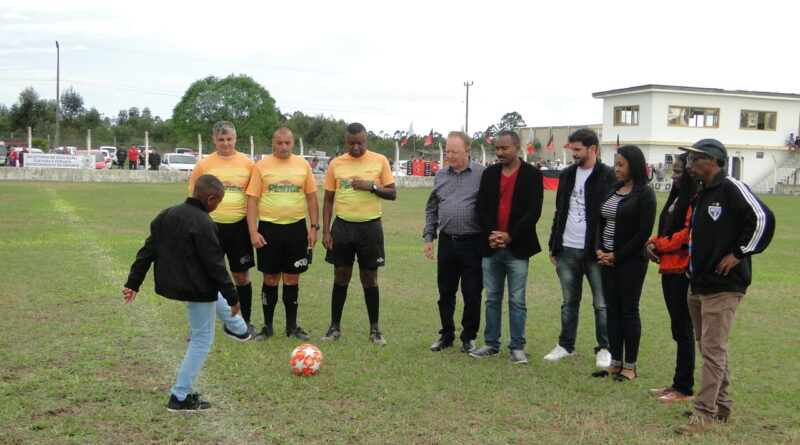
[{"x": 189, "y": 267}]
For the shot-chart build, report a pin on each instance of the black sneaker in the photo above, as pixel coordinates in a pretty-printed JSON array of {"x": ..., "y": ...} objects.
[
  {"x": 266, "y": 332},
  {"x": 238, "y": 337},
  {"x": 192, "y": 403},
  {"x": 484, "y": 351},
  {"x": 251, "y": 329},
  {"x": 298, "y": 332},
  {"x": 333, "y": 334}
]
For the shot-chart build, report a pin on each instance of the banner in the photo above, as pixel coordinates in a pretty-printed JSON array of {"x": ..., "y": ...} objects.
[
  {"x": 550, "y": 179},
  {"x": 48, "y": 160}
]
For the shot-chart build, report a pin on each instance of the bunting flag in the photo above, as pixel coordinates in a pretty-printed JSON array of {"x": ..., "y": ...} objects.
[
  {"x": 409, "y": 134},
  {"x": 617, "y": 141},
  {"x": 429, "y": 139},
  {"x": 550, "y": 143}
]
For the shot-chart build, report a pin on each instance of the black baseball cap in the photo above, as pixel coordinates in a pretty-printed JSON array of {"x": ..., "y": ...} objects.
[{"x": 711, "y": 147}]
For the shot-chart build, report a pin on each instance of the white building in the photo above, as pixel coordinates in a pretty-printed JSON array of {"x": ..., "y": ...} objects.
[{"x": 754, "y": 126}]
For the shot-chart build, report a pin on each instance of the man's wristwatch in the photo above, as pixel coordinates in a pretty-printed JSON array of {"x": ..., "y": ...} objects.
[
  {"x": 374, "y": 188},
  {"x": 315, "y": 226}
]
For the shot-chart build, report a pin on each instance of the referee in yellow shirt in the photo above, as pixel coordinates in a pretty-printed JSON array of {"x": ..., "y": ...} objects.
[
  {"x": 357, "y": 182},
  {"x": 281, "y": 188},
  {"x": 233, "y": 169}
]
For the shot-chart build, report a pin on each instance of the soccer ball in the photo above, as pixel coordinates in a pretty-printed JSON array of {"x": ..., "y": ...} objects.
[{"x": 306, "y": 360}]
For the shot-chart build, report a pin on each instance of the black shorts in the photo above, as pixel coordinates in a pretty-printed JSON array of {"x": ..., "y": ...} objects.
[
  {"x": 286, "y": 249},
  {"x": 364, "y": 239},
  {"x": 234, "y": 238}
]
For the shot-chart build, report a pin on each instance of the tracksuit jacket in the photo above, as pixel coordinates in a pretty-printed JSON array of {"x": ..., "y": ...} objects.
[
  {"x": 727, "y": 218},
  {"x": 189, "y": 263}
]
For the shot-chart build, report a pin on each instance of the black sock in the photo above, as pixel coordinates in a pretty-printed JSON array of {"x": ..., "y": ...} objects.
[
  {"x": 269, "y": 299},
  {"x": 373, "y": 300},
  {"x": 338, "y": 296},
  {"x": 290, "y": 304},
  {"x": 245, "y": 300}
]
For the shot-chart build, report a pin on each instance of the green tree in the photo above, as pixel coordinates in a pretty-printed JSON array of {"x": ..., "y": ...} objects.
[
  {"x": 510, "y": 121},
  {"x": 238, "y": 99},
  {"x": 71, "y": 104}
]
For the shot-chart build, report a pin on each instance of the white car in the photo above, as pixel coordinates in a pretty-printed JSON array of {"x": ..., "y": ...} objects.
[
  {"x": 177, "y": 162},
  {"x": 111, "y": 151}
]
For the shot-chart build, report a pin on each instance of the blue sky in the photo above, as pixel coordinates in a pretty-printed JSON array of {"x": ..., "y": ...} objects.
[{"x": 387, "y": 64}]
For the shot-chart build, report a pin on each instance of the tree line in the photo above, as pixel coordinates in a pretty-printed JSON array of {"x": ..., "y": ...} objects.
[{"x": 236, "y": 98}]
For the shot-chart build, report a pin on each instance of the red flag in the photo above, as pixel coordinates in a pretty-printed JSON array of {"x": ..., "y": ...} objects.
[
  {"x": 617, "y": 140},
  {"x": 408, "y": 135},
  {"x": 529, "y": 147},
  {"x": 429, "y": 139},
  {"x": 567, "y": 145},
  {"x": 488, "y": 140},
  {"x": 550, "y": 143}
]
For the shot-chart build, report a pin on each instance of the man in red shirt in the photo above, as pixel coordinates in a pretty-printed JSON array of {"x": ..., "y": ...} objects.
[
  {"x": 133, "y": 157},
  {"x": 508, "y": 206}
]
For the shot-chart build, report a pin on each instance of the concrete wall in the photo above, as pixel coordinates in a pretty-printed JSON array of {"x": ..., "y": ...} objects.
[{"x": 141, "y": 176}]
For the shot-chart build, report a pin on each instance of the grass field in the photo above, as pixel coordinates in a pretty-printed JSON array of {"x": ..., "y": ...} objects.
[{"x": 76, "y": 367}]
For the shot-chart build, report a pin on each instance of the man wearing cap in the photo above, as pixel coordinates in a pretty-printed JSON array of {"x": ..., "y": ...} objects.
[{"x": 729, "y": 225}]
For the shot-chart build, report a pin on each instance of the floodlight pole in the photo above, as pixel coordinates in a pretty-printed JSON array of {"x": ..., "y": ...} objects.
[
  {"x": 466, "y": 118},
  {"x": 58, "y": 91}
]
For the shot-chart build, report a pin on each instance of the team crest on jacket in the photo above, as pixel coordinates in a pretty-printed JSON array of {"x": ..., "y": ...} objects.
[{"x": 714, "y": 211}]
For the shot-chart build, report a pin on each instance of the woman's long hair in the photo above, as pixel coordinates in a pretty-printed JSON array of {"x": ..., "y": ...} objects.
[
  {"x": 681, "y": 194},
  {"x": 637, "y": 167}
]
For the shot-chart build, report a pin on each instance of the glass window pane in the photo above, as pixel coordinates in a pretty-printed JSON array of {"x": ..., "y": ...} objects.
[{"x": 771, "y": 118}]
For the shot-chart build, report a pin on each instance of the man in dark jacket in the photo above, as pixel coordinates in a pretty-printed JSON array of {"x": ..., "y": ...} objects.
[
  {"x": 189, "y": 267},
  {"x": 508, "y": 205},
  {"x": 581, "y": 188},
  {"x": 122, "y": 155},
  {"x": 729, "y": 225},
  {"x": 154, "y": 159}
]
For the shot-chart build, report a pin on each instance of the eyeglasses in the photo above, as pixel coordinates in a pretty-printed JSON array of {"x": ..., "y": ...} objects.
[{"x": 693, "y": 158}]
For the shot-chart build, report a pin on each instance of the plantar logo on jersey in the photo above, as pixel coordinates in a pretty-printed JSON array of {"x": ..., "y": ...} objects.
[
  {"x": 231, "y": 187},
  {"x": 348, "y": 183},
  {"x": 283, "y": 187}
]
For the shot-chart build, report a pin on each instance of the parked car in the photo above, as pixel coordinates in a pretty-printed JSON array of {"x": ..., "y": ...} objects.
[
  {"x": 177, "y": 162},
  {"x": 100, "y": 160},
  {"x": 184, "y": 150},
  {"x": 111, "y": 151}
]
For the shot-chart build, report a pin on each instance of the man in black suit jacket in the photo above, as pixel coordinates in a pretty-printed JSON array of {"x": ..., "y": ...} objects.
[{"x": 508, "y": 206}]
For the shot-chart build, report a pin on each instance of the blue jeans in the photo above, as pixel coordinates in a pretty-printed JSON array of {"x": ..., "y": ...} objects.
[
  {"x": 496, "y": 268},
  {"x": 201, "y": 322},
  {"x": 572, "y": 265},
  {"x": 236, "y": 324},
  {"x": 201, "y": 333}
]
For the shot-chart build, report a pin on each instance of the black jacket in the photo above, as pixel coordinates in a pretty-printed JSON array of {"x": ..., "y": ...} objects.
[
  {"x": 636, "y": 214},
  {"x": 597, "y": 185},
  {"x": 189, "y": 263},
  {"x": 727, "y": 218},
  {"x": 526, "y": 208}
]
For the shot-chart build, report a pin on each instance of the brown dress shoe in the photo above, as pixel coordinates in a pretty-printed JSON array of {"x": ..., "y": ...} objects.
[
  {"x": 674, "y": 396},
  {"x": 662, "y": 391}
]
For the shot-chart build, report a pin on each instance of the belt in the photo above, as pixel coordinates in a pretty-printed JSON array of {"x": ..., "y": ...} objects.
[{"x": 461, "y": 237}]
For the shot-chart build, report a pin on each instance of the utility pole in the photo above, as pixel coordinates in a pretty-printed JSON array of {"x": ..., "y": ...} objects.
[
  {"x": 466, "y": 120},
  {"x": 58, "y": 90}
]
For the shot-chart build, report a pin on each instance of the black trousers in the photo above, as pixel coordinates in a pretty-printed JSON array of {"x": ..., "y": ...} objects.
[
  {"x": 676, "y": 290},
  {"x": 459, "y": 260},
  {"x": 622, "y": 288}
]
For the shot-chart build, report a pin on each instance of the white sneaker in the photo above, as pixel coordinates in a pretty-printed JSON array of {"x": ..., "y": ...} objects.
[
  {"x": 603, "y": 359},
  {"x": 558, "y": 353}
]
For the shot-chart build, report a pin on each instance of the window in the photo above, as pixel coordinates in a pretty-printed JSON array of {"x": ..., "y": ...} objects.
[
  {"x": 628, "y": 115},
  {"x": 759, "y": 155},
  {"x": 693, "y": 117},
  {"x": 758, "y": 120}
]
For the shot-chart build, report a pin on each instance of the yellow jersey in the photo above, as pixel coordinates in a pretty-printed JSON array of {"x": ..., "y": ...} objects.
[
  {"x": 234, "y": 172},
  {"x": 358, "y": 205},
  {"x": 281, "y": 186}
]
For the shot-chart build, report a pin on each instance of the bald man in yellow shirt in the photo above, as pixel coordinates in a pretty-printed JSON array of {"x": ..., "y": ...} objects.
[
  {"x": 357, "y": 182},
  {"x": 281, "y": 189}
]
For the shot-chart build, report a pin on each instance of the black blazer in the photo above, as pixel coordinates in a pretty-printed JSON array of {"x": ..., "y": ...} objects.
[
  {"x": 526, "y": 208},
  {"x": 636, "y": 214}
]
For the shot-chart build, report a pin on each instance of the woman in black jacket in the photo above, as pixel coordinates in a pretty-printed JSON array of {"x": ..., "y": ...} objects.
[{"x": 627, "y": 215}]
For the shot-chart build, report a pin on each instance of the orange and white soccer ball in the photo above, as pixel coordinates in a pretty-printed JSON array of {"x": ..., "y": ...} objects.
[{"x": 306, "y": 360}]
